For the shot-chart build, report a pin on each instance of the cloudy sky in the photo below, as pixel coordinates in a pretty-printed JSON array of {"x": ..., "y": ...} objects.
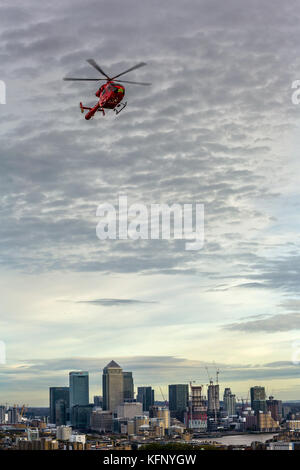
[{"x": 216, "y": 127}]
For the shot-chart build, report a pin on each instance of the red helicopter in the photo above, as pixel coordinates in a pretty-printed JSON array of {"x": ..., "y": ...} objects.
[{"x": 110, "y": 94}]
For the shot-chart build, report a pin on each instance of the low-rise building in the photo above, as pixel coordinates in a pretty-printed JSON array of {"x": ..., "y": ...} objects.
[
  {"x": 63, "y": 433},
  {"x": 280, "y": 446},
  {"x": 102, "y": 421}
]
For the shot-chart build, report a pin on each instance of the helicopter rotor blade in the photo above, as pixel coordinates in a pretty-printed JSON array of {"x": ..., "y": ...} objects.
[
  {"x": 85, "y": 79},
  {"x": 97, "y": 67},
  {"x": 141, "y": 64},
  {"x": 134, "y": 83}
]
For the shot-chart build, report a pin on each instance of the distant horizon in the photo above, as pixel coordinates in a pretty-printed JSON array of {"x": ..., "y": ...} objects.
[
  {"x": 218, "y": 129},
  {"x": 230, "y": 376}
]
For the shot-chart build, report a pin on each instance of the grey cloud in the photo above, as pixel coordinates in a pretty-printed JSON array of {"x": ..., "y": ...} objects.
[
  {"x": 115, "y": 302},
  {"x": 146, "y": 369},
  {"x": 206, "y": 131},
  {"x": 272, "y": 324}
]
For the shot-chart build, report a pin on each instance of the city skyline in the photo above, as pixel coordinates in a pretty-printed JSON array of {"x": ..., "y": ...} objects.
[
  {"x": 161, "y": 389},
  {"x": 217, "y": 127}
]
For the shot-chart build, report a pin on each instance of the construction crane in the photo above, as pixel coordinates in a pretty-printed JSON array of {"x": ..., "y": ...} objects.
[
  {"x": 217, "y": 375},
  {"x": 23, "y": 409},
  {"x": 244, "y": 402},
  {"x": 161, "y": 392},
  {"x": 209, "y": 377}
]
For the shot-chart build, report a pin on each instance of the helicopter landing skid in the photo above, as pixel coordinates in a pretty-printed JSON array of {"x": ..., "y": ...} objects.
[{"x": 117, "y": 111}]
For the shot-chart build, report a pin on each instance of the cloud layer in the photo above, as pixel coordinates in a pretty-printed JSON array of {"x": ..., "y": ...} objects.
[{"x": 217, "y": 127}]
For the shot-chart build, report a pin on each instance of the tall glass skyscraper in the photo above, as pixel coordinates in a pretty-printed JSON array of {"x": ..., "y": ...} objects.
[
  {"x": 128, "y": 388},
  {"x": 113, "y": 386},
  {"x": 178, "y": 400},
  {"x": 79, "y": 388},
  {"x": 146, "y": 396},
  {"x": 57, "y": 394}
]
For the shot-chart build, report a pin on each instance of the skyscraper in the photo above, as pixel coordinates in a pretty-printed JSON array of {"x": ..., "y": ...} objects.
[
  {"x": 146, "y": 396},
  {"x": 113, "y": 387},
  {"x": 60, "y": 413},
  {"x": 178, "y": 400},
  {"x": 81, "y": 416},
  {"x": 275, "y": 406},
  {"x": 56, "y": 394},
  {"x": 79, "y": 388},
  {"x": 229, "y": 402},
  {"x": 128, "y": 388},
  {"x": 213, "y": 399},
  {"x": 196, "y": 416},
  {"x": 258, "y": 399},
  {"x": 257, "y": 393}
]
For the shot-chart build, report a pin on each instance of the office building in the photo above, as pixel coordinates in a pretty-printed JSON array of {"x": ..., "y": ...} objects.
[
  {"x": 81, "y": 416},
  {"x": 102, "y": 421},
  {"x": 128, "y": 388},
  {"x": 257, "y": 393},
  {"x": 55, "y": 394},
  {"x": 60, "y": 413},
  {"x": 258, "y": 399},
  {"x": 113, "y": 386},
  {"x": 178, "y": 400},
  {"x": 145, "y": 396},
  {"x": 79, "y": 388},
  {"x": 129, "y": 410}
]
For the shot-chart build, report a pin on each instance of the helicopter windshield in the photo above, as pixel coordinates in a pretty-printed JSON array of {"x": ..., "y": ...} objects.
[{"x": 117, "y": 89}]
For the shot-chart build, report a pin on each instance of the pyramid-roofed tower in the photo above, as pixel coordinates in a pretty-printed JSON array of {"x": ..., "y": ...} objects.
[
  {"x": 112, "y": 365},
  {"x": 112, "y": 386}
]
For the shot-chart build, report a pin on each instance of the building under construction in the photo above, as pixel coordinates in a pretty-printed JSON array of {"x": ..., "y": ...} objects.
[
  {"x": 195, "y": 417},
  {"x": 213, "y": 395},
  {"x": 213, "y": 406}
]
